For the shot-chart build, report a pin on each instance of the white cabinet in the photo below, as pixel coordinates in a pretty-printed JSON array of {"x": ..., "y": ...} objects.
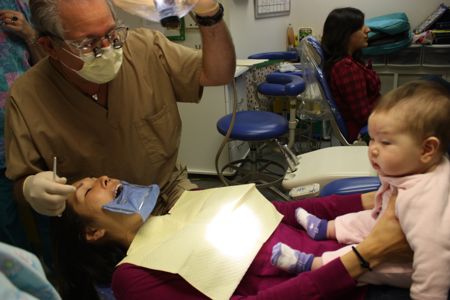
[
  {"x": 412, "y": 63},
  {"x": 437, "y": 56},
  {"x": 200, "y": 139}
]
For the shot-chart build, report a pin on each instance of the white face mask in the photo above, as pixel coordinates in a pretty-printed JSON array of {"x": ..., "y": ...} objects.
[{"x": 102, "y": 69}]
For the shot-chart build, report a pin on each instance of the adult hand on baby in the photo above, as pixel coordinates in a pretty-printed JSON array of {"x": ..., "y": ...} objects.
[
  {"x": 46, "y": 196},
  {"x": 385, "y": 243},
  {"x": 15, "y": 22},
  {"x": 387, "y": 236}
]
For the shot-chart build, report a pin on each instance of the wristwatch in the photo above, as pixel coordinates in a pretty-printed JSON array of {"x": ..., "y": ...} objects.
[{"x": 210, "y": 20}]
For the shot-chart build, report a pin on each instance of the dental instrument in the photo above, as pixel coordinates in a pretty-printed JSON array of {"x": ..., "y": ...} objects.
[{"x": 54, "y": 168}]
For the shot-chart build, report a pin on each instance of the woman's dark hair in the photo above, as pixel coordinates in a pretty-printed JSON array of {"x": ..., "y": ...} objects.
[
  {"x": 340, "y": 24},
  {"x": 81, "y": 265}
]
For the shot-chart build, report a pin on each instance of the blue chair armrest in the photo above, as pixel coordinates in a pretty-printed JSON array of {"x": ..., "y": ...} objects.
[
  {"x": 282, "y": 84},
  {"x": 296, "y": 73},
  {"x": 352, "y": 185},
  {"x": 279, "y": 55}
]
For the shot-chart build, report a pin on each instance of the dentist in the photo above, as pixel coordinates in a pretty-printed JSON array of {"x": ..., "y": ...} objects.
[{"x": 105, "y": 101}]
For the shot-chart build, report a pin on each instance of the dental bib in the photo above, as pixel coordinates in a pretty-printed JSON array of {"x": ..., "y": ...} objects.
[
  {"x": 133, "y": 198},
  {"x": 209, "y": 237}
]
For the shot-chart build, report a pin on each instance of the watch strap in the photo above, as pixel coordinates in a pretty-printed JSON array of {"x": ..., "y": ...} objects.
[{"x": 210, "y": 20}]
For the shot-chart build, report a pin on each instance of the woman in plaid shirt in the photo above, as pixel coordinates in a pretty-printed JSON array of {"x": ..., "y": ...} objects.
[{"x": 354, "y": 84}]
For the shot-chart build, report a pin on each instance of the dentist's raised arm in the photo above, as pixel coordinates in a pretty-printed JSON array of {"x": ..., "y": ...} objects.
[{"x": 219, "y": 58}]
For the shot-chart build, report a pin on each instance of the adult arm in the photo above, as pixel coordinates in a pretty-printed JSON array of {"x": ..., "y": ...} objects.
[
  {"x": 16, "y": 23},
  {"x": 219, "y": 58},
  {"x": 33, "y": 183},
  {"x": 385, "y": 243}
]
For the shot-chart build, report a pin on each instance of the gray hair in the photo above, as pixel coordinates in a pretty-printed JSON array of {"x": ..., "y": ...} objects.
[{"x": 45, "y": 16}]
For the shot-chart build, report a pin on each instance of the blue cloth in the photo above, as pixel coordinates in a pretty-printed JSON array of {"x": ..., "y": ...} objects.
[
  {"x": 11, "y": 229},
  {"x": 14, "y": 60},
  {"x": 22, "y": 276}
]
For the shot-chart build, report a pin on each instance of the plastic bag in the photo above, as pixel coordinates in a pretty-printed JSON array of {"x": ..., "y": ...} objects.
[
  {"x": 167, "y": 12},
  {"x": 313, "y": 105}
]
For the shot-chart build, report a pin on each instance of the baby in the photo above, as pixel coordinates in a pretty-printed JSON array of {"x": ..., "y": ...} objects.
[{"x": 410, "y": 134}]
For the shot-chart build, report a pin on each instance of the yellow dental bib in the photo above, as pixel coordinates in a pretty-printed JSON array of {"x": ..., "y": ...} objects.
[{"x": 209, "y": 237}]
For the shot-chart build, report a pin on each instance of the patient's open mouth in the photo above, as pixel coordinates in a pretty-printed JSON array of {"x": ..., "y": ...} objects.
[{"x": 118, "y": 190}]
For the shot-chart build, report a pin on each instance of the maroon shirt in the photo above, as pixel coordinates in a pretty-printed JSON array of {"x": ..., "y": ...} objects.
[
  {"x": 355, "y": 88},
  {"x": 262, "y": 280}
]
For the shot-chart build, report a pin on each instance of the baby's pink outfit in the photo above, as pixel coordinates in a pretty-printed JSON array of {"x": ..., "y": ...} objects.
[{"x": 423, "y": 208}]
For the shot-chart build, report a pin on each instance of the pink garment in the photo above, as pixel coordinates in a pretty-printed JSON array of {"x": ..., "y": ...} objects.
[{"x": 423, "y": 208}]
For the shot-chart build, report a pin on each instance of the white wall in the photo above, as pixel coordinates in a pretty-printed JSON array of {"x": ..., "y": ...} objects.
[{"x": 251, "y": 36}]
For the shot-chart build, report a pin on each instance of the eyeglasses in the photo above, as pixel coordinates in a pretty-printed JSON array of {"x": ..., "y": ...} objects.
[{"x": 116, "y": 37}]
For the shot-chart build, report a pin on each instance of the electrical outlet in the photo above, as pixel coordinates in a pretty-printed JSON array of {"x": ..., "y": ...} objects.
[{"x": 190, "y": 23}]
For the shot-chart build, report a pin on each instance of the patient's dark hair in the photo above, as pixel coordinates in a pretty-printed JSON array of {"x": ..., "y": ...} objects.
[
  {"x": 340, "y": 24},
  {"x": 81, "y": 265}
]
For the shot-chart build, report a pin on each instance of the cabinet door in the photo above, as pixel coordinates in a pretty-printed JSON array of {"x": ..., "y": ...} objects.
[
  {"x": 200, "y": 139},
  {"x": 387, "y": 82},
  {"x": 436, "y": 56},
  {"x": 404, "y": 78}
]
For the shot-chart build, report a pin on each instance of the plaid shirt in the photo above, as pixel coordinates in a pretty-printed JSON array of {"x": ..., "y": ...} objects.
[{"x": 355, "y": 88}]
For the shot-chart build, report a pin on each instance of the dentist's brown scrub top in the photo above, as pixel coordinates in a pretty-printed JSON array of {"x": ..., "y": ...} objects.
[{"x": 135, "y": 139}]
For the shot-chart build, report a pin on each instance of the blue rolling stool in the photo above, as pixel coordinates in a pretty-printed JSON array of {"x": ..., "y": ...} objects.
[{"x": 255, "y": 127}]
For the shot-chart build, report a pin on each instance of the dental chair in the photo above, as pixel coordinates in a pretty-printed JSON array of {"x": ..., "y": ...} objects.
[
  {"x": 317, "y": 168},
  {"x": 312, "y": 58},
  {"x": 258, "y": 128},
  {"x": 362, "y": 184},
  {"x": 309, "y": 172}
]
